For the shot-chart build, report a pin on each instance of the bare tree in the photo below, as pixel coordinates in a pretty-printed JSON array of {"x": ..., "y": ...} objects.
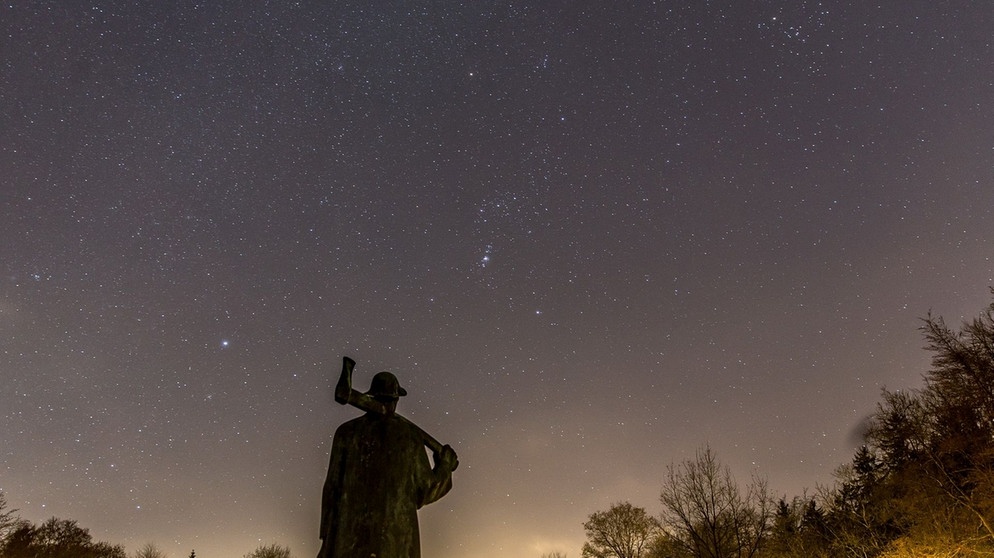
[
  {"x": 706, "y": 514},
  {"x": 624, "y": 531},
  {"x": 148, "y": 550},
  {"x": 270, "y": 551}
]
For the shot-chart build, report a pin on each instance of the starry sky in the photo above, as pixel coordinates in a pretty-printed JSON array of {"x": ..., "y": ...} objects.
[{"x": 588, "y": 237}]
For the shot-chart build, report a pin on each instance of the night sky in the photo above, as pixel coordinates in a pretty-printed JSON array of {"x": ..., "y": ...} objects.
[{"x": 588, "y": 238}]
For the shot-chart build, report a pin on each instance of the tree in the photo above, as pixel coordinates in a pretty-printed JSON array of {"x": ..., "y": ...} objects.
[
  {"x": 9, "y": 520},
  {"x": 624, "y": 531},
  {"x": 148, "y": 550},
  {"x": 554, "y": 555},
  {"x": 666, "y": 546},
  {"x": 861, "y": 519},
  {"x": 57, "y": 538},
  {"x": 270, "y": 551},
  {"x": 924, "y": 483},
  {"x": 707, "y": 516},
  {"x": 797, "y": 529},
  {"x": 959, "y": 399}
]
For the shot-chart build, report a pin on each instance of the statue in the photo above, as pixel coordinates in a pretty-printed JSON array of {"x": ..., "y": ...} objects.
[{"x": 379, "y": 475}]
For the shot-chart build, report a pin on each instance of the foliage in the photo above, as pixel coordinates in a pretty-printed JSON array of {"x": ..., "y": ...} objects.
[
  {"x": 798, "y": 529},
  {"x": 57, "y": 538},
  {"x": 861, "y": 519},
  {"x": 706, "y": 514},
  {"x": 270, "y": 551},
  {"x": 923, "y": 485},
  {"x": 624, "y": 531},
  {"x": 958, "y": 437}
]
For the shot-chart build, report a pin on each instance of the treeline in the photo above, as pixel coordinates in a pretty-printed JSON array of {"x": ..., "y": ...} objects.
[
  {"x": 64, "y": 538},
  {"x": 921, "y": 485},
  {"x": 55, "y": 538}
]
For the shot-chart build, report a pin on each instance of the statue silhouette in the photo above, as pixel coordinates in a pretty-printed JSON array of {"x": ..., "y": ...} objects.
[{"x": 379, "y": 476}]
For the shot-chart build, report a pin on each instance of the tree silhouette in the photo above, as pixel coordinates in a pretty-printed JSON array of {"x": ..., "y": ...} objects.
[
  {"x": 148, "y": 550},
  {"x": 624, "y": 531},
  {"x": 925, "y": 479},
  {"x": 9, "y": 520},
  {"x": 270, "y": 551},
  {"x": 57, "y": 538},
  {"x": 706, "y": 514}
]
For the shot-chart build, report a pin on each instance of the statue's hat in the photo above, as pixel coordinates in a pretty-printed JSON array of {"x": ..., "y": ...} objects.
[{"x": 385, "y": 384}]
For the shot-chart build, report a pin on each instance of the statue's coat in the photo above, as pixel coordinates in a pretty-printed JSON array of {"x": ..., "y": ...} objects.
[{"x": 378, "y": 477}]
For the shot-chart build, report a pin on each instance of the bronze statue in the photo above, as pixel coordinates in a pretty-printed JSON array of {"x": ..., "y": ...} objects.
[{"x": 379, "y": 475}]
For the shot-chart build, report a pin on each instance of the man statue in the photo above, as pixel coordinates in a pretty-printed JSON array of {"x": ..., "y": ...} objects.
[{"x": 378, "y": 477}]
